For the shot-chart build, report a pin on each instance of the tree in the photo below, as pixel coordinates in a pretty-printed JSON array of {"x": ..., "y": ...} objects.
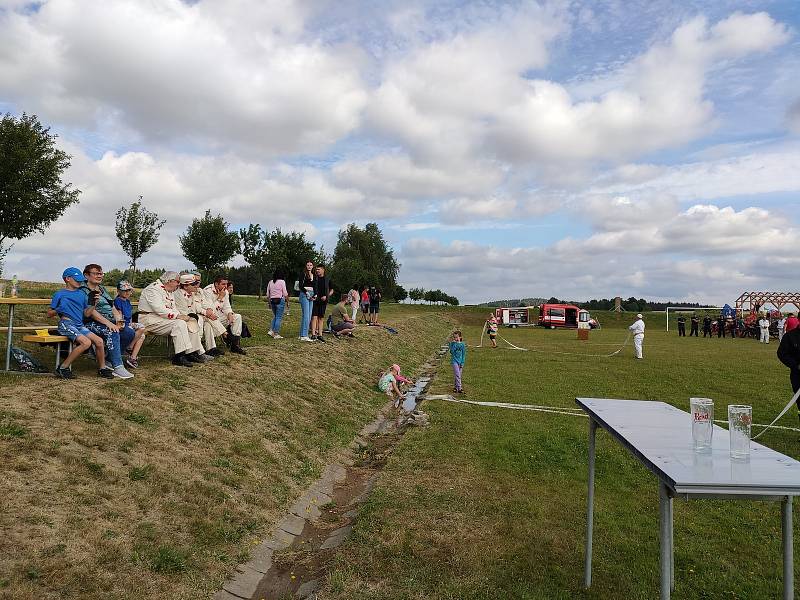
[
  {"x": 32, "y": 193},
  {"x": 137, "y": 231},
  {"x": 400, "y": 293},
  {"x": 362, "y": 257},
  {"x": 254, "y": 252},
  {"x": 208, "y": 244},
  {"x": 416, "y": 294},
  {"x": 289, "y": 252}
]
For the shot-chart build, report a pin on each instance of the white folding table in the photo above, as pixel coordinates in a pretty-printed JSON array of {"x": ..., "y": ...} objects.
[{"x": 660, "y": 436}]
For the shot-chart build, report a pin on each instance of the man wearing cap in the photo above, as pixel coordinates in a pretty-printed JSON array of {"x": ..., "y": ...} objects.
[
  {"x": 159, "y": 314},
  {"x": 763, "y": 326},
  {"x": 191, "y": 301},
  {"x": 103, "y": 303},
  {"x": 220, "y": 309},
  {"x": 638, "y": 335}
]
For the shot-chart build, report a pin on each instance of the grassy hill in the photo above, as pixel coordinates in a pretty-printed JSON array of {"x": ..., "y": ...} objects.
[{"x": 156, "y": 487}]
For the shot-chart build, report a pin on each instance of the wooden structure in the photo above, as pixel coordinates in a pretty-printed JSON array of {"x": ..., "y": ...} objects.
[{"x": 751, "y": 301}]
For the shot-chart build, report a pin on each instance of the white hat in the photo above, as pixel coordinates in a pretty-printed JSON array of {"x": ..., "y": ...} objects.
[
  {"x": 639, "y": 316},
  {"x": 187, "y": 278}
]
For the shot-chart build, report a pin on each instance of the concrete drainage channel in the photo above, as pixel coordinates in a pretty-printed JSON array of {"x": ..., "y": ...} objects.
[{"x": 294, "y": 560}]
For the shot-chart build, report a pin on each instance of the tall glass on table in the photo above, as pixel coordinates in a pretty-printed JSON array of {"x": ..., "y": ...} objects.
[
  {"x": 740, "y": 419},
  {"x": 702, "y": 423}
]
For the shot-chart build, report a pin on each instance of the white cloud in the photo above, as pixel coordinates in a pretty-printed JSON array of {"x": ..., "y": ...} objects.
[
  {"x": 661, "y": 105},
  {"x": 183, "y": 74}
]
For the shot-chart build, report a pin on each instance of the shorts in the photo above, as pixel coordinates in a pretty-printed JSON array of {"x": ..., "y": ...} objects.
[
  {"x": 319, "y": 308},
  {"x": 365, "y": 307},
  {"x": 72, "y": 330},
  {"x": 374, "y": 308}
]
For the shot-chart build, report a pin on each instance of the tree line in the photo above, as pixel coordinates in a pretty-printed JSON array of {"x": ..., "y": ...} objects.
[
  {"x": 432, "y": 296},
  {"x": 630, "y": 305}
]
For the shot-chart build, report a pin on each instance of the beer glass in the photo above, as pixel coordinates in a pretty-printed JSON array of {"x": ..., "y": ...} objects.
[
  {"x": 740, "y": 418},
  {"x": 702, "y": 423}
]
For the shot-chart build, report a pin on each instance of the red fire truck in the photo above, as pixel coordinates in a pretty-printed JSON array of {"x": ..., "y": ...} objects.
[
  {"x": 561, "y": 315},
  {"x": 515, "y": 317}
]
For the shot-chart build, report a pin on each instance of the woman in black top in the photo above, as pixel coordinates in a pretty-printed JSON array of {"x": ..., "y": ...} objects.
[
  {"x": 322, "y": 292},
  {"x": 305, "y": 286}
]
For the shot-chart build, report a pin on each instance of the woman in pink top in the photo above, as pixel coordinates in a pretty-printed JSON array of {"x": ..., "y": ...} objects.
[{"x": 278, "y": 297}]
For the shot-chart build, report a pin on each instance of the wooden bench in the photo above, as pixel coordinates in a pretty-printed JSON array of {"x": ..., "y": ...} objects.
[
  {"x": 44, "y": 340},
  {"x": 29, "y": 328}
]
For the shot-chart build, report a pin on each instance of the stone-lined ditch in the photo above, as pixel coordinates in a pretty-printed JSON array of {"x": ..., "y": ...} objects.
[{"x": 294, "y": 559}]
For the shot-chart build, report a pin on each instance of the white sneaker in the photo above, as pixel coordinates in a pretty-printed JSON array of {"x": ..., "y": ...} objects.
[
  {"x": 122, "y": 373},
  {"x": 270, "y": 333},
  {"x": 305, "y": 338},
  {"x": 277, "y": 336}
]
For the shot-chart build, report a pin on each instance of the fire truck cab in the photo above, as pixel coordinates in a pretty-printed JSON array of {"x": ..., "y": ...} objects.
[{"x": 561, "y": 315}]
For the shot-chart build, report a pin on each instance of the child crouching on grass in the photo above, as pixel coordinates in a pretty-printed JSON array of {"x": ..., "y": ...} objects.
[
  {"x": 388, "y": 384},
  {"x": 458, "y": 354},
  {"x": 72, "y": 306}
]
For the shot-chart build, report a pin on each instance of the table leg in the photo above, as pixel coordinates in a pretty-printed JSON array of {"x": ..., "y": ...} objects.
[
  {"x": 10, "y": 335},
  {"x": 788, "y": 554},
  {"x": 58, "y": 355},
  {"x": 664, "y": 535},
  {"x": 671, "y": 545},
  {"x": 587, "y": 573}
]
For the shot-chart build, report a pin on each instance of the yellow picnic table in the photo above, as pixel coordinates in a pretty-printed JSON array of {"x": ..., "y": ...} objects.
[{"x": 12, "y": 302}]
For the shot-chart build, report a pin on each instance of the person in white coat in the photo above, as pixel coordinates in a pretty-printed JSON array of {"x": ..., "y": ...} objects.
[
  {"x": 159, "y": 315},
  {"x": 638, "y": 335},
  {"x": 781, "y": 327},
  {"x": 217, "y": 296},
  {"x": 763, "y": 325}
]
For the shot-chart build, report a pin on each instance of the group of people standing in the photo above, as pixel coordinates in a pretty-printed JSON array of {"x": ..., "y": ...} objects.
[{"x": 760, "y": 326}]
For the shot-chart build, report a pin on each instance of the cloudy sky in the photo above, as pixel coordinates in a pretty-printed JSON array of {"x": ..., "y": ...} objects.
[{"x": 571, "y": 148}]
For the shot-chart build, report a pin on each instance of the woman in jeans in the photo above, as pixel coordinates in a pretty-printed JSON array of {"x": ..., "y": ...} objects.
[
  {"x": 278, "y": 297},
  {"x": 305, "y": 288}
]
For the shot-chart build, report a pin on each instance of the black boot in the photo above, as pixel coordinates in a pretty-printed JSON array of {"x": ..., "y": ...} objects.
[
  {"x": 180, "y": 360},
  {"x": 216, "y": 352},
  {"x": 235, "y": 347}
]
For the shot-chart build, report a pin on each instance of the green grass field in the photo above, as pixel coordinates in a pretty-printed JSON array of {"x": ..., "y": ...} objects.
[{"x": 490, "y": 503}]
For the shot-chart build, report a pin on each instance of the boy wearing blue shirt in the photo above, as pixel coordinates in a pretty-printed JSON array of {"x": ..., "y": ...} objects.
[
  {"x": 72, "y": 306},
  {"x": 131, "y": 336}
]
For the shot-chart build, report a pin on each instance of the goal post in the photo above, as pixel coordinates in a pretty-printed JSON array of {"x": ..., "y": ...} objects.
[{"x": 689, "y": 309}]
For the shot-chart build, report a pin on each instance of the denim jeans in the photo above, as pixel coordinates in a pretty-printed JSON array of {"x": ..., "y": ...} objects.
[
  {"x": 457, "y": 368},
  {"x": 277, "y": 311},
  {"x": 305, "y": 319},
  {"x": 111, "y": 339},
  {"x": 126, "y": 335}
]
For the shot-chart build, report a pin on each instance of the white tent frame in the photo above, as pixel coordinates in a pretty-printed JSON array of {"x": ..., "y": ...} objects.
[{"x": 690, "y": 309}]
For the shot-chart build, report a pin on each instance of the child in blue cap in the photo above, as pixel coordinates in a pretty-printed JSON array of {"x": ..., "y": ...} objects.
[{"x": 72, "y": 306}]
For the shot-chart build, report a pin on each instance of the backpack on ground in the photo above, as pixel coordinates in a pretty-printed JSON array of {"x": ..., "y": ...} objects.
[{"x": 24, "y": 362}]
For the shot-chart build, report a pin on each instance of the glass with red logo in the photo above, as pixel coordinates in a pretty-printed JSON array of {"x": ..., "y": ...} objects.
[{"x": 702, "y": 423}]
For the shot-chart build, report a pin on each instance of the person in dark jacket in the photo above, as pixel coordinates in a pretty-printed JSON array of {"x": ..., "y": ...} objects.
[
  {"x": 695, "y": 325},
  {"x": 789, "y": 355},
  {"x": 322, "y": 291},
  {"x": 707, "y": 326},
  {"x": 681, "y": 326}
]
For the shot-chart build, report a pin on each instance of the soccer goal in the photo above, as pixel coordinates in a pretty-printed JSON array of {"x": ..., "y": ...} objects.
[{"x": 689, "y": 309}]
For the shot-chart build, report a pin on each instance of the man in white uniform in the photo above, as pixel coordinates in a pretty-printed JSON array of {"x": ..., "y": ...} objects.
[
  {"x": 638, "y": 335},
  {"x": 192, "y": 302},
  {"x": 763, "y": 325},
  {"x": 781, "y": 327},
  {"x": 220, "y": 309},
  {"x": 159, "y": 315}
]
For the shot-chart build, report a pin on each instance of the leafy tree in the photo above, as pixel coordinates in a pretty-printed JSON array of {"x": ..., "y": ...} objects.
[
  {"x": 137, "y": 231},
  {"x": 289, "y": 252},
  {"x": 254, "y": 252},
  {"x": 362, "y": 256},
  {"x": 208, "y": 244},
  {"x": 32, "y": 193},
  {"x": 416, "y": 294},
  {"x": 400, "y": 293}
]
